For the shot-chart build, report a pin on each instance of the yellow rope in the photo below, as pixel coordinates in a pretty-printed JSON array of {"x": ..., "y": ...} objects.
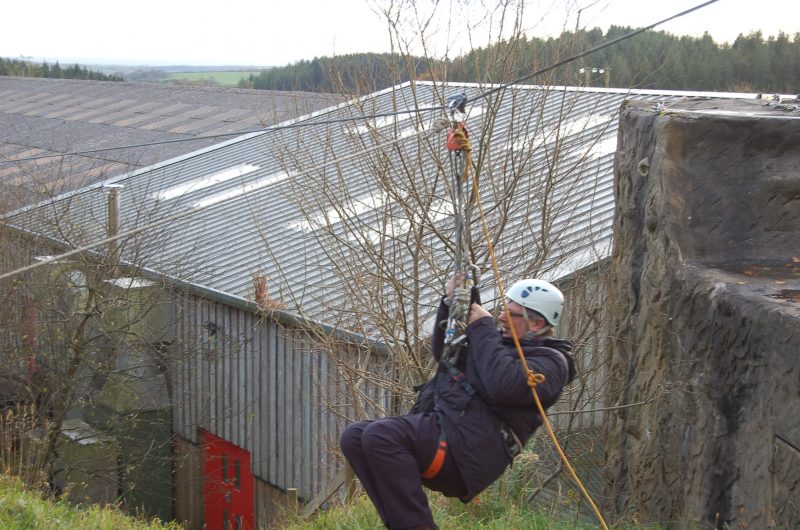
[{"x": 532, "y": 378}]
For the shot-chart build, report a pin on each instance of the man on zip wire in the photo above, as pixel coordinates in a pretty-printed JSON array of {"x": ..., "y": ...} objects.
[{"x": 473, "y": 417}]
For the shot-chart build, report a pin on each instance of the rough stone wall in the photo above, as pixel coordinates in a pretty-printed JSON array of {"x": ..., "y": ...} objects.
[{"x": 705, "y": 314}]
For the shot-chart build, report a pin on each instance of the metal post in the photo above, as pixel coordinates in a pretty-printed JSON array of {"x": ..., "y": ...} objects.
[{"x": 113, "y": 220}]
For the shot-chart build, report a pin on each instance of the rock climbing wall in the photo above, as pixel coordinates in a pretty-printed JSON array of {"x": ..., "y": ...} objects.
[{"x": 705, "y": 311}]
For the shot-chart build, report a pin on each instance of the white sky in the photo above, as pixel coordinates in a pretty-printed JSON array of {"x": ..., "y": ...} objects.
[{"x": 278, "y": 32}]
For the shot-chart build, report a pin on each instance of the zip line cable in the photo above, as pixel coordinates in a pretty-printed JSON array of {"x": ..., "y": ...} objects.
[
  {"x": 308, "y": 122},
  {"x": 437, "y": 126}
]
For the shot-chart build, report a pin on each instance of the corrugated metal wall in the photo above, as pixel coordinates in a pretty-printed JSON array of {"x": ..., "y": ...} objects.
[
  {"x": 270, "y": 388},
  {"x": 584, "y": 323}
]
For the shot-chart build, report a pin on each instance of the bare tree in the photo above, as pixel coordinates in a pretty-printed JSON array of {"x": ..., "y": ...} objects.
[
  {"x": 85, "y": 356},
  {"x": 381, "y": 223}
]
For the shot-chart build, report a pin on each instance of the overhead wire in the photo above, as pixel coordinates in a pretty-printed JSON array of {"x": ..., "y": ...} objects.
[
  {"x": 312, "y": 121},
  {"x": 437, "y": 126},
  {"x": 272, "y": 128}
]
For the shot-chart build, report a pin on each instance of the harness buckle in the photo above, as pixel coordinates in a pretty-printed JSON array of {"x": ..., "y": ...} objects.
[{"x": 513, "y": 444}]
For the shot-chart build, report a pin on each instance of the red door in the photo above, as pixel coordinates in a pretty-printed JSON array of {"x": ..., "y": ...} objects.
[{"x": 228, "y": 485}]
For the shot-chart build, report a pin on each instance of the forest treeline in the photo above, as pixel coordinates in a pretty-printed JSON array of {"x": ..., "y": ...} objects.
[
  {"x": 653, "y": 60},
  {"x": 22, "y": 68}
]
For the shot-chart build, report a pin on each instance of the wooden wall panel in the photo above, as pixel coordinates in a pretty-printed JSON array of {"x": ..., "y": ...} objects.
[
  {"x": 271, "y": 504},
  {"x": 189, "y": 477}
]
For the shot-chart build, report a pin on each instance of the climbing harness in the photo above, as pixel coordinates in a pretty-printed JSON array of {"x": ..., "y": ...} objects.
[
  {"x": 513, "y": 445},
  {"x": 438, "y": 458},
  {"x": 455, "y": 338}
]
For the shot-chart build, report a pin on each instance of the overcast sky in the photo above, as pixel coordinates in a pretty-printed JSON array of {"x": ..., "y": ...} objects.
[{"x": 278, "y": 32}]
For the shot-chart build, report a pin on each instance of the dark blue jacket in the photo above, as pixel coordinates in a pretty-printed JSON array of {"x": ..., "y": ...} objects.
[{"x": 472, "y": 424}]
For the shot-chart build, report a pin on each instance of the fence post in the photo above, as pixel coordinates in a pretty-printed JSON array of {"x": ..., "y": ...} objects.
[{"x": 291, "y": 494}]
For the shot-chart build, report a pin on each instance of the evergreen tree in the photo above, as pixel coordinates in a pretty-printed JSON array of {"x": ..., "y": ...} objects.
[{"x": 30, "y": 69}]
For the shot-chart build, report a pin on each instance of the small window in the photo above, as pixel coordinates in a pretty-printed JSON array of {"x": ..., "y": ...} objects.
[
  {"x": 237, "y": 475},
  {"x": 226, "y": 524},
  {"x": 239, "y": 525},
  {"x": 224, "y": 468}
]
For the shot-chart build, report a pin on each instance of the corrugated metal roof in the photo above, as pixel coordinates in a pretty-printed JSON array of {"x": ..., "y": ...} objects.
[
  {"x": 63, "y": 115},
  {"x": 545, "y": 158}
]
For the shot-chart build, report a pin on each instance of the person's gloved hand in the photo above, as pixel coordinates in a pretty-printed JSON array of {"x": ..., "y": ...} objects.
[
  {"x": 475, "y": 295},
  {"x": 476, "y": 312}
]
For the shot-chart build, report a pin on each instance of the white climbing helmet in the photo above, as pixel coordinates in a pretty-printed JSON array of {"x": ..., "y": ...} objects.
[{"x": 540, "y": 296}]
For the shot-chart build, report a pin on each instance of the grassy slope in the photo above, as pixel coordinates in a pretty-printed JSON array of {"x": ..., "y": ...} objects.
[
  {"x": 497, "y": 510},
  {"x": 503, "y": 506},
  {"x": 20, "y": 509}
]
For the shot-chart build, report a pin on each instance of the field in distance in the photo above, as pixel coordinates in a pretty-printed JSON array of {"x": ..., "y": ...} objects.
[{"x": 222, "y": 78}]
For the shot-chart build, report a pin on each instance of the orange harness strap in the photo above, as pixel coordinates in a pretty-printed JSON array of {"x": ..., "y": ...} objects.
[{"x": 437, "y": 462}]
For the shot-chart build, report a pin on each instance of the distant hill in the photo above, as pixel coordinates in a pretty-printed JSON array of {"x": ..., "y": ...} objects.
[
  {"x": 360, "y": 73},
  {"x": 161, "y": 74},
  {"x": 226, "y": 68},
  {"x": 653, "y": 60}
]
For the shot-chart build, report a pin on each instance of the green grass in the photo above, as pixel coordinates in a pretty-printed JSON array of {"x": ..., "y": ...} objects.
[
  {"x": 449, "y": 515},
  {"x": 21, "y": 509},
  {"x": 222, "y": 78},
  {"x": 502, "y": 506}
]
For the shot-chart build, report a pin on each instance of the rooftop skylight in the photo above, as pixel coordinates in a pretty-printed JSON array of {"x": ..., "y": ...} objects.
[
  {"x": 244, "y": 189},
  {"x": 204, "y": 182}
]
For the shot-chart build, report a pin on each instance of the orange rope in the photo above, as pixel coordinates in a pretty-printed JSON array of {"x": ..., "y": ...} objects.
[{"x": 532, "y": 378}]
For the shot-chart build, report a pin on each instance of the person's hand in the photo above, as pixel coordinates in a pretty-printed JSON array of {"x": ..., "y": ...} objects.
[
  {"x": 476, "y": 312},
  {"x": 456, "y": 280}
]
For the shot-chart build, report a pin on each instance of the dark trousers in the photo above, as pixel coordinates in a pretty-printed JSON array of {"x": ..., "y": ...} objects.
[{"x": 389, "y": 455}]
